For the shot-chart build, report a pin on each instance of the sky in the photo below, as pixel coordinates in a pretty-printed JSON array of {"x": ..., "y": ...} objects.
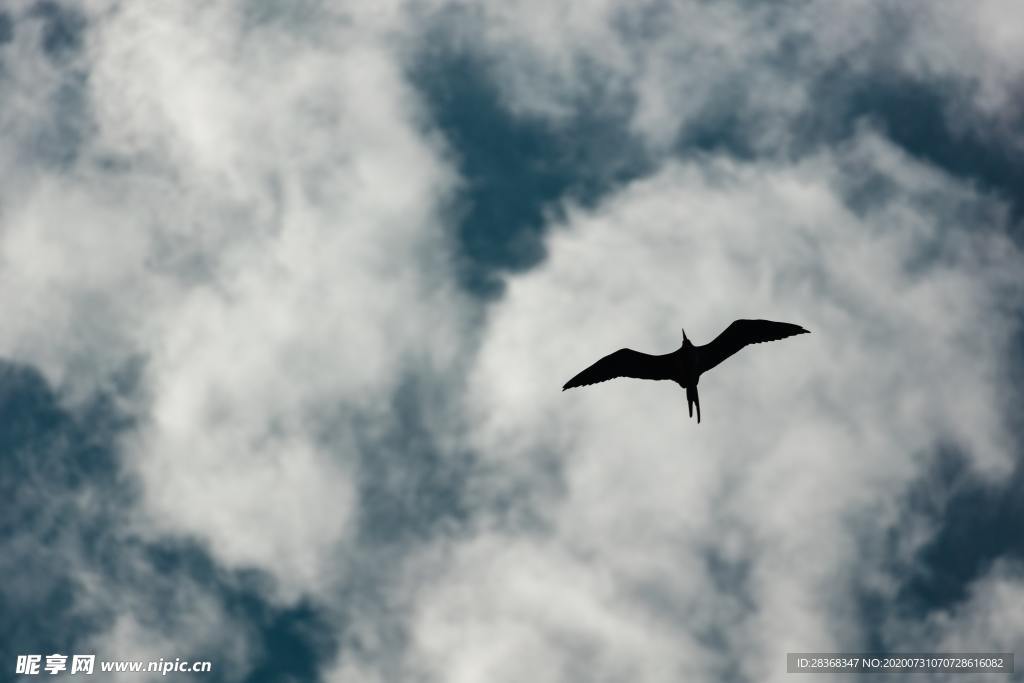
[{"x": 288, "y": 291}]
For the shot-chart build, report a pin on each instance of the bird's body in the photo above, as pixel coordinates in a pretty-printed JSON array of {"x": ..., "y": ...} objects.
[{"x": 685, "y": 365}]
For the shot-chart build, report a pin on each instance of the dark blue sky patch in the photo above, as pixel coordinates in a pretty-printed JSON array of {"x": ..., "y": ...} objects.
[
  {"x": 48, "y": 455},
  {"x": 515, "y": 168},
  {"x": 297, "y": 642},
  {"x": 914, "y": 115},
  {"x": 978, "y": 524},
  {"x": 6, "y": 27},
  {"x": 28, "y": 411},
  {"x": 63, "y": 29},
  {"x": 288, "y": 642}
]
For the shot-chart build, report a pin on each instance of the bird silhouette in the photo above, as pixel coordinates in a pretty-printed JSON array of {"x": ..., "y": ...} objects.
[{"x": 685, "y": 365}]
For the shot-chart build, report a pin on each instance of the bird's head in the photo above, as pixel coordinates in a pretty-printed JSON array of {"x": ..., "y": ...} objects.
[{"x": 685, "y": 340}]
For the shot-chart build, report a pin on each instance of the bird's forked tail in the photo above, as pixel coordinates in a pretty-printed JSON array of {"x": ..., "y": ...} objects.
[{"x": 692, "y": 399}]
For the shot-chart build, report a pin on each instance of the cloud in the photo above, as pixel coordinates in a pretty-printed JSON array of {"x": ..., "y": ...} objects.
[
  {"x": 253, "y": 228},
  {"x": 243, "y": 223},
  {"x": 76, "y": 579},
  {"x": 984, "y": 622},
  {"x": 685, "y": 67},
  {"x": 739, "y": 543},
  {"x": 249, "y": 241},
  {"x": 978, "y": 44}
]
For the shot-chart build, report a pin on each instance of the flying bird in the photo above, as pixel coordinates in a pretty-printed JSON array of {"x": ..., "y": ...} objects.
[{"x": 685, "y": 365}]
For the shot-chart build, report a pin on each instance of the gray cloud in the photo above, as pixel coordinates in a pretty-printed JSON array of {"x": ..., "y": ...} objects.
[{"x": 254, "y": 214}]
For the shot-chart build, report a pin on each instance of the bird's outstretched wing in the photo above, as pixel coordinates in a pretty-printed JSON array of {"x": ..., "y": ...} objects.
[
  {"x": 739, "y": 334},
  {"x": 622, "y": 363}
]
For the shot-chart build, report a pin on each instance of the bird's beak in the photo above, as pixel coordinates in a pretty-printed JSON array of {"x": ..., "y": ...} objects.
[{"x": 684, "y": 334}]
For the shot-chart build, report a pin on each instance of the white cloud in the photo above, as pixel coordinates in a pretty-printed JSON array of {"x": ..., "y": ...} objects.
[
  {"x": 515, "y": 609},
  {"x": 259, "y": 216},
  {"x": 800, "y": 466},
  {"x": 268, "y": 242}
]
